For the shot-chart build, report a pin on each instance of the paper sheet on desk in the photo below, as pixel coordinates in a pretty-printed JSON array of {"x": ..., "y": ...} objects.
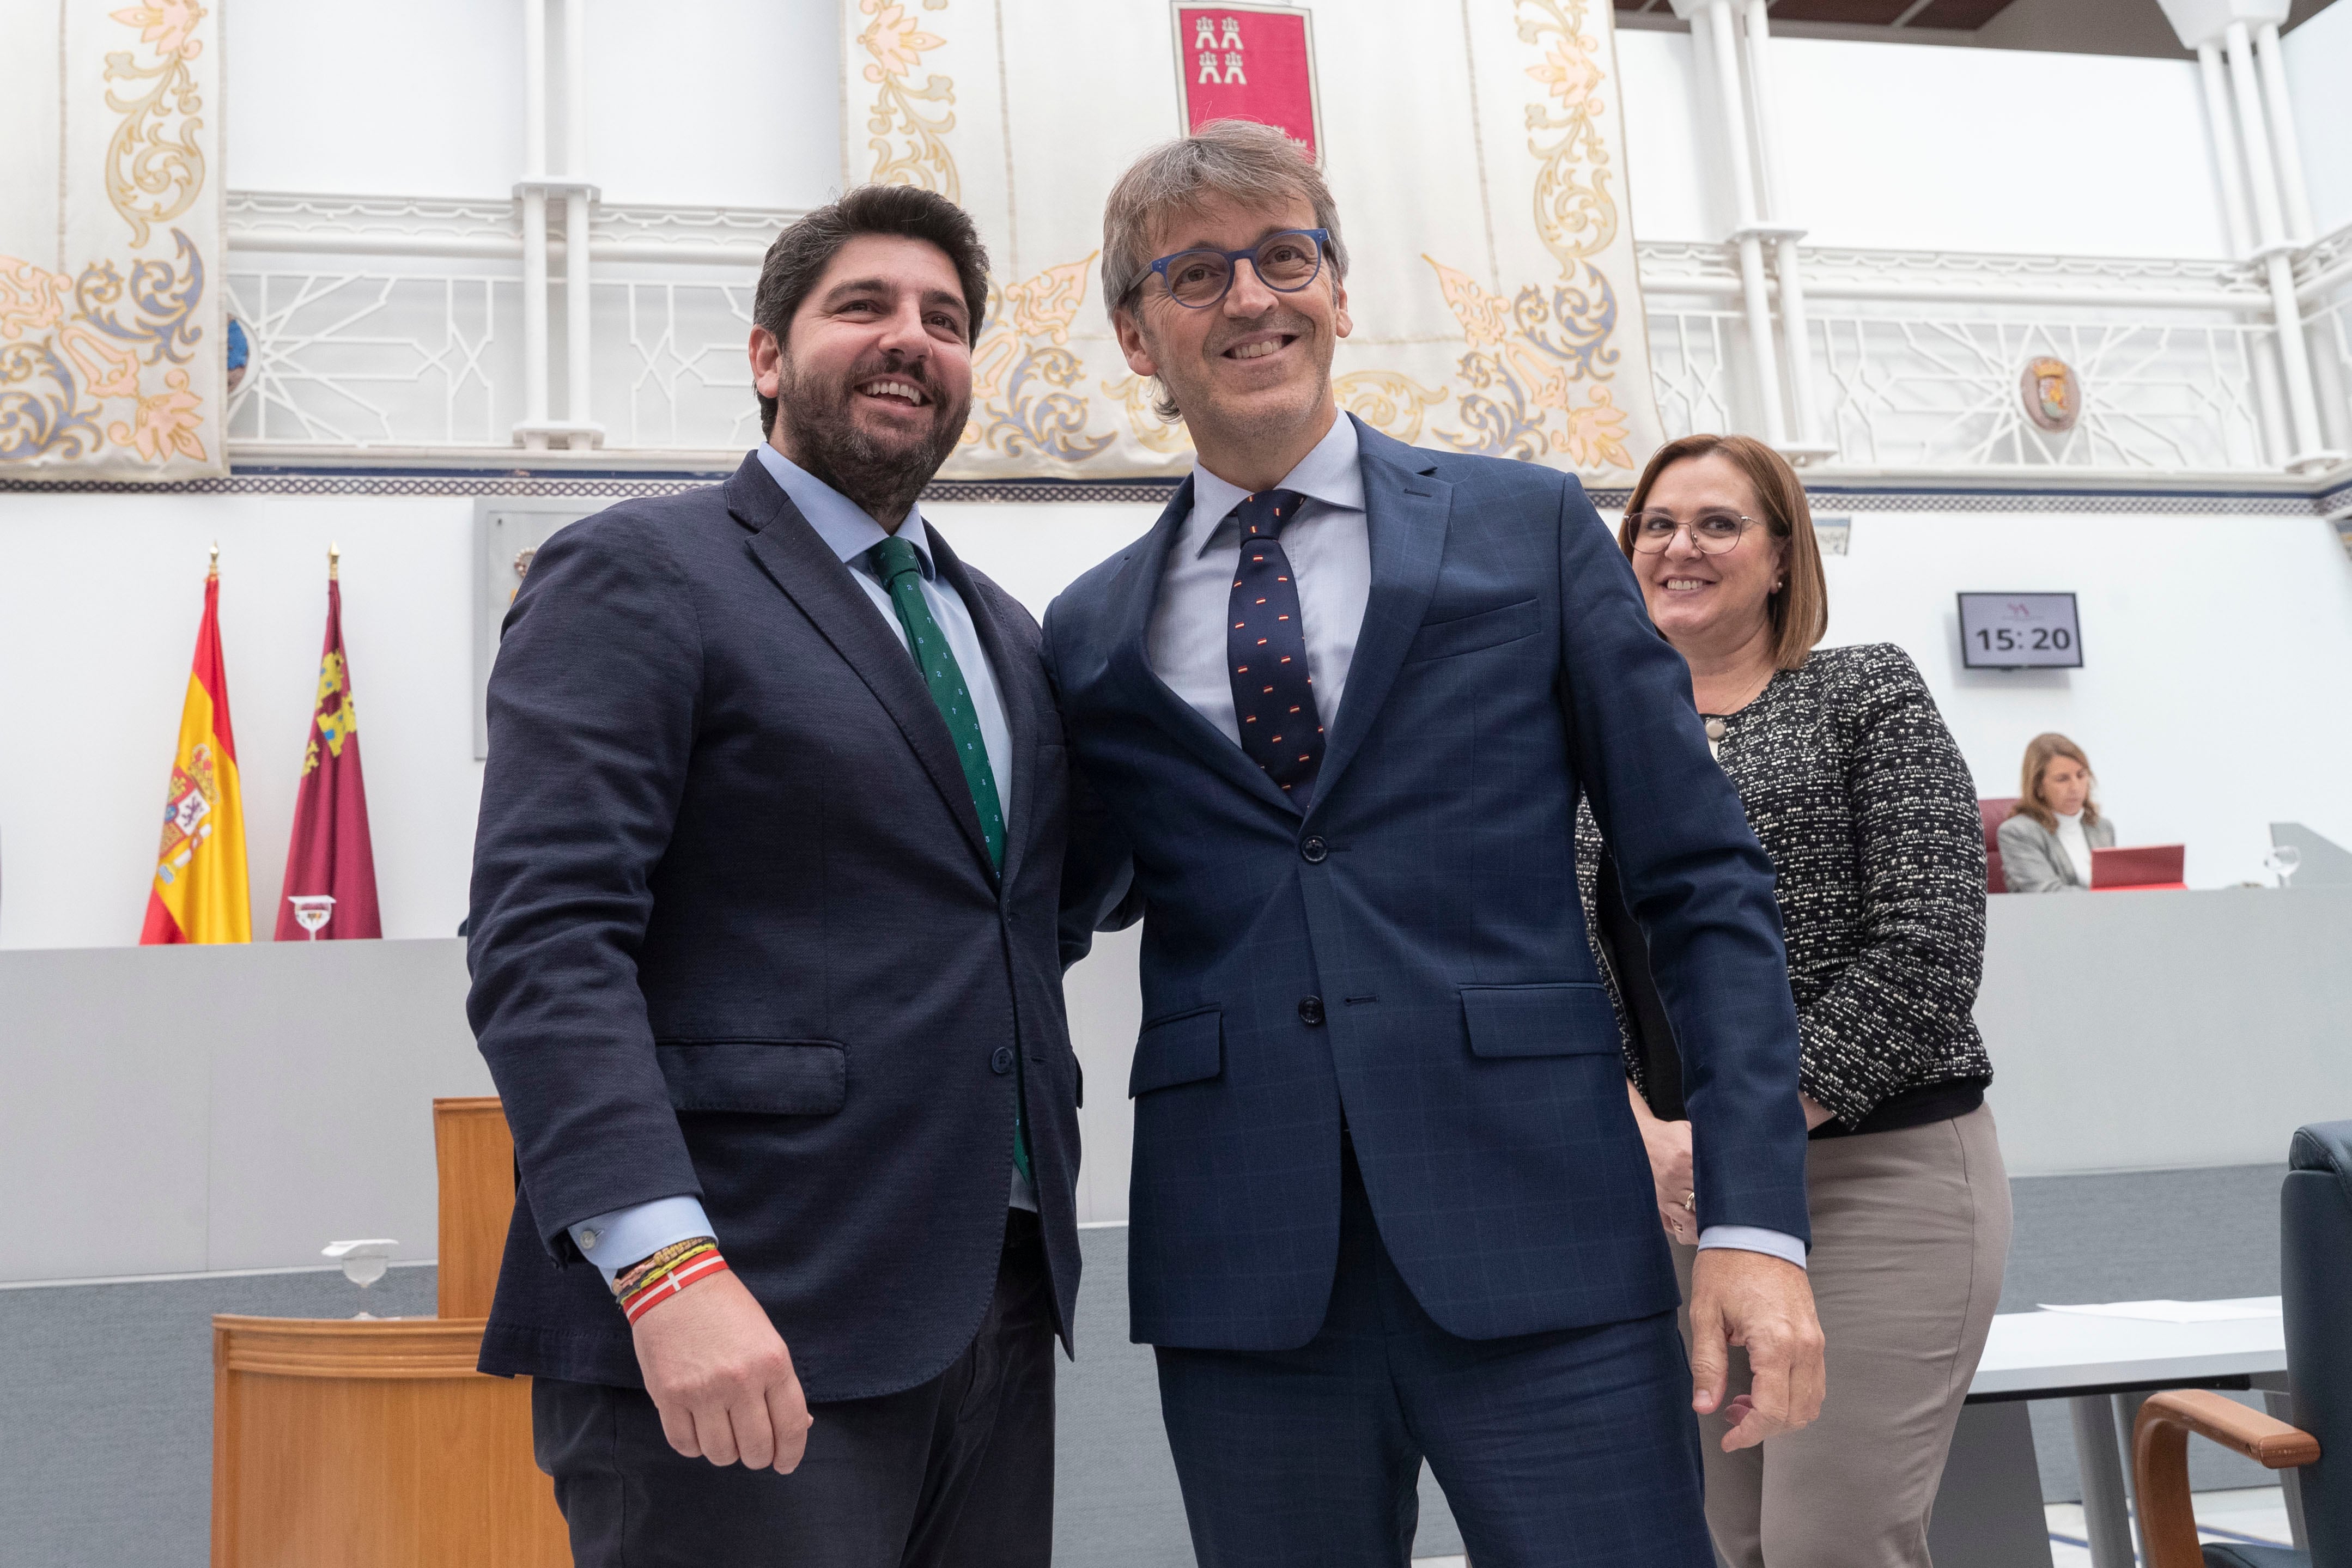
[{"x": 2238, "y": 1309}]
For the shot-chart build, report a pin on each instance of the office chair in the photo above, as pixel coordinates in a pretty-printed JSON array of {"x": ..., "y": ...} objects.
[{"x": 2316, "y": 1287}]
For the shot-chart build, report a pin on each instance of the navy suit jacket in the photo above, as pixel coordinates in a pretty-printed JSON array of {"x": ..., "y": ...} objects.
[
  {"x": 735, "y": 934},
  {"x": 1406, "y": 950}
]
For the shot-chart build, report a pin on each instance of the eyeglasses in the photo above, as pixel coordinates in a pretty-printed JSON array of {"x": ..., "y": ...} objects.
[
  {"x": 1712, "y": 532},
  {"x": 1285, "y": 263}
]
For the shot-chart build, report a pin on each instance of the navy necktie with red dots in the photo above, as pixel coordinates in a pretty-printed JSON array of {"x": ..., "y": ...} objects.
[{"x": 1266, "y": 648}]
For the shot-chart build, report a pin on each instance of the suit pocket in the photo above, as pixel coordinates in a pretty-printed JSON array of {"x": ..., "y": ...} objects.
[
  {"x": 1480, "y": 630},
  {"x": 1186, "y": 1048},
  {"x": 768, "y": 1078},
  {"x": 1566, "y": 1020}
]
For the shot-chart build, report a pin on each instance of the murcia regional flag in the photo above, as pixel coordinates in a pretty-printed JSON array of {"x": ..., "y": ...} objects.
[
  {"x": 330, "y": 868},
  {"x": 199, "y": 893}
]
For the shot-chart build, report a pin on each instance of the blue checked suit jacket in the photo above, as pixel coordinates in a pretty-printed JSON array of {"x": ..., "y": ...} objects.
[{"x": 1408, "y": 950}]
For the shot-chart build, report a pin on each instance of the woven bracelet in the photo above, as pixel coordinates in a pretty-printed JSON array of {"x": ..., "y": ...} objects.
[
  {"x": 637, "y": 1274},
  {"x": 668, "y": 1281}
]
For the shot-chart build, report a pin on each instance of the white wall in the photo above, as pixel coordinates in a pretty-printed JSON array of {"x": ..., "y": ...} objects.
[
  {"x": 99, "y": 597},
  {"x": 2211, "y": 699},
  {"x": 1915, "y": 147},
  {"x": 716, "y": 103},
  {"x": 2318, "y": 59},
  {"x": 2211, "y": 696}
]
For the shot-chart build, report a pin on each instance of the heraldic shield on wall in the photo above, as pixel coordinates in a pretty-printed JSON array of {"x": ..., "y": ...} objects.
[
  {"x": 112, "y": 353},
  {"x": 1477, "y": 153}
]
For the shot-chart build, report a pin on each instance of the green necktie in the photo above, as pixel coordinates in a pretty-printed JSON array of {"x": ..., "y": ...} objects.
[{"x": 901, "y": 570}]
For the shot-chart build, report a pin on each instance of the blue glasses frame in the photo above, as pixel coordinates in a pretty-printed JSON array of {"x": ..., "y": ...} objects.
[{"x": 1234, "y": 259}]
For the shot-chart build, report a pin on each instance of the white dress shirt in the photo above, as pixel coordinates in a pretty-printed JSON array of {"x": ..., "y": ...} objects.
[
  {"x": 2076, "y": 843},
  {"x": 613, "y": 1241},
  {"x": 1329, "y": 544},
  {"x": 1330, "y": 555}
]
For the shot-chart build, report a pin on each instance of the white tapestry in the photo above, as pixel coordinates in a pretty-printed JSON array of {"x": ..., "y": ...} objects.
[
  {"x": 113, "y": 359},
  {"x": 1476, "y": 151}
]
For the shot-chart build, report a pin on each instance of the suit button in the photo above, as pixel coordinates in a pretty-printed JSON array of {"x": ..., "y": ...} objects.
[
  {"x": 1310, "y": 1010},
  {"x": 1002, "y": 1061},
  {"x": 1313, "y": 851}
]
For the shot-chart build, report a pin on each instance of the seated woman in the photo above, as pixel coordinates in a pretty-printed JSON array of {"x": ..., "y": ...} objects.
[{"x": 2046, "y": 844}]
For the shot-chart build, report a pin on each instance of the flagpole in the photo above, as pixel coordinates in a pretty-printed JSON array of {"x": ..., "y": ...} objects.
[
  {"x": 334, "y": 559},
  {"x": 212, "y": 573}
]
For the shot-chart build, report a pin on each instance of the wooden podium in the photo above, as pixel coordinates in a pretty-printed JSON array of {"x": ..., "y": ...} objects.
[{"x": 367, "y": 1444}]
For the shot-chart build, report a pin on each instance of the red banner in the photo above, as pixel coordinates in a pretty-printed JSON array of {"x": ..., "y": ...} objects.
[
  {"x": 330, "y": 866},
  {"x": 1249, "y": 62}
]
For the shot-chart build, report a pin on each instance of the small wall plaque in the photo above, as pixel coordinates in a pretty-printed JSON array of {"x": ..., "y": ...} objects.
[{"x": 2053, "y": 397}]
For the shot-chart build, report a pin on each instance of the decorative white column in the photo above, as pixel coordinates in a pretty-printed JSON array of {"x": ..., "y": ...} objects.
[
  {"x": 576, "y": 198},
  {"x": 1806, "y": 443},
  {"x": 2275, "y": 255},
  {"x": 2284, "y": 140},
  {"x": 533, "y": 192},
  {"x": 2226, "y": 160},
  {"x": 2275, "y": 186},
  {"x": 1713, "y": 36},
  {"x": 539, "y": 429}
]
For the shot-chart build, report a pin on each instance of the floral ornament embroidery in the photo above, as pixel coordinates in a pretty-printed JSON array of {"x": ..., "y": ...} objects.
[
  {"x": 1390, "y": 401},
  {"x": 1022, "y": 370},
  {"x": 910, "y": 142},
  {"x": 1574, "y": 212},
  {"x": 1139, "y": 396},
  {"x": 34, "y": 424},
  {"x": 167, "y": 422},
  {"x": 167, "y": 27},
  {"x": 154, "y": 166},
  {"x": 96, "y": 334},
  {"x": 30, "y": 296},
  {"x": 1525, "y": 353}
]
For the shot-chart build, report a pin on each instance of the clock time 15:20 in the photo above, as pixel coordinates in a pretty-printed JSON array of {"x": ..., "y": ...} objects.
[{"x": 2018, "y": 640}]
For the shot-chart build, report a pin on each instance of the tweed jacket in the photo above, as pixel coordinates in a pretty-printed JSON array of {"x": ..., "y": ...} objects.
[{"x": 1862, "y": 799}]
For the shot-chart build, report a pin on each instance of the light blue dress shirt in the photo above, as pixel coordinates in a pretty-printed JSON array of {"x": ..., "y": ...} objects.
[
  {"x": 1330, "y": 550},
  {"x": 613, "y": 1241}
]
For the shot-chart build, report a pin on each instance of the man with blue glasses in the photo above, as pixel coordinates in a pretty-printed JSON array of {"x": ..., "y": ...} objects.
[{"x": 1334, "y": 713}]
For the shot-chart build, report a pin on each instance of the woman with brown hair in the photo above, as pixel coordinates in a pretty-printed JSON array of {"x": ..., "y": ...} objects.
[
  {"x": 2046, "y": 844},
  {"x": 1857, "y": 792}
]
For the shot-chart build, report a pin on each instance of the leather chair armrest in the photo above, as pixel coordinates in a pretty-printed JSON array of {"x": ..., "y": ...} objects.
[{"x": 2161, "y": 1462}]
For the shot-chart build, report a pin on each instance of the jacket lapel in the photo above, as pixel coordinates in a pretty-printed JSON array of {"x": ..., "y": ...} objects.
[
  {"x": 1134, "y": 594},
  {"x": 789, "y": 550},
  {"x": 1014, "y": 685},
  {"x": 1406, "y": 510}
]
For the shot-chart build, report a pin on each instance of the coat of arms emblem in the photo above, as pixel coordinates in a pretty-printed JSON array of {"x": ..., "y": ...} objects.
[
  {"x": 186, "y": 807},
  {"x": 1249, "y": 62},
  {"x": 2054, "y": 398}
]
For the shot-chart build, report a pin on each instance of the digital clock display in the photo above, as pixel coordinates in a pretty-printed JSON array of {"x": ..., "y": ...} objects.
[{"x": 2020, "y": 631}]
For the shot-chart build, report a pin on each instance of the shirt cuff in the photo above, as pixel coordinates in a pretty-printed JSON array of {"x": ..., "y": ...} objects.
[
  {"x": 613, "y": 1241},
  {"x": 1753, "y": 1238}
]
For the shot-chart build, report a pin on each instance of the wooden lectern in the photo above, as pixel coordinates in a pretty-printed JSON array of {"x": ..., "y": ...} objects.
[{"x": 369, "y": 1444}]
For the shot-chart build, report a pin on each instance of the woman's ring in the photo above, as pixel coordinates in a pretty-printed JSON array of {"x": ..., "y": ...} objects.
[{"x": 1690, "y": 1202}]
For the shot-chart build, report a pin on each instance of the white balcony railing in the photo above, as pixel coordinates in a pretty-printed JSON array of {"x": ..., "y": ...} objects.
[{"x": 383, "y": 326}]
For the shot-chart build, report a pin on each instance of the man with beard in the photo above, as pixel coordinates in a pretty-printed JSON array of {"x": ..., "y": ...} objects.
[
  {"x": 764, "y": 966},
  {"x": 1390, "y": 1202}
]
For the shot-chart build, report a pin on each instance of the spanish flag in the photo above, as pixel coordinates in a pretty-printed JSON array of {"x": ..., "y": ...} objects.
[{"x": 199, "y": 893}]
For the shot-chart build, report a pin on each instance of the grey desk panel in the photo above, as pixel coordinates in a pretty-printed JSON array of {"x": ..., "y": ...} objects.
[
  {"x": 2134, "y": 1031},
  {"x": 173, "y": 1110}
]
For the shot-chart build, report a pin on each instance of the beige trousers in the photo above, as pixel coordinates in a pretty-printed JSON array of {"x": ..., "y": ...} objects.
[{"x": 1910, "y": 1233}]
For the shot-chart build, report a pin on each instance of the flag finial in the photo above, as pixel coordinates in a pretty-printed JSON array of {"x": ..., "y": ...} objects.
[
  {"x": 212, "y": 573},
  {"x": 334, "y": 562}
]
